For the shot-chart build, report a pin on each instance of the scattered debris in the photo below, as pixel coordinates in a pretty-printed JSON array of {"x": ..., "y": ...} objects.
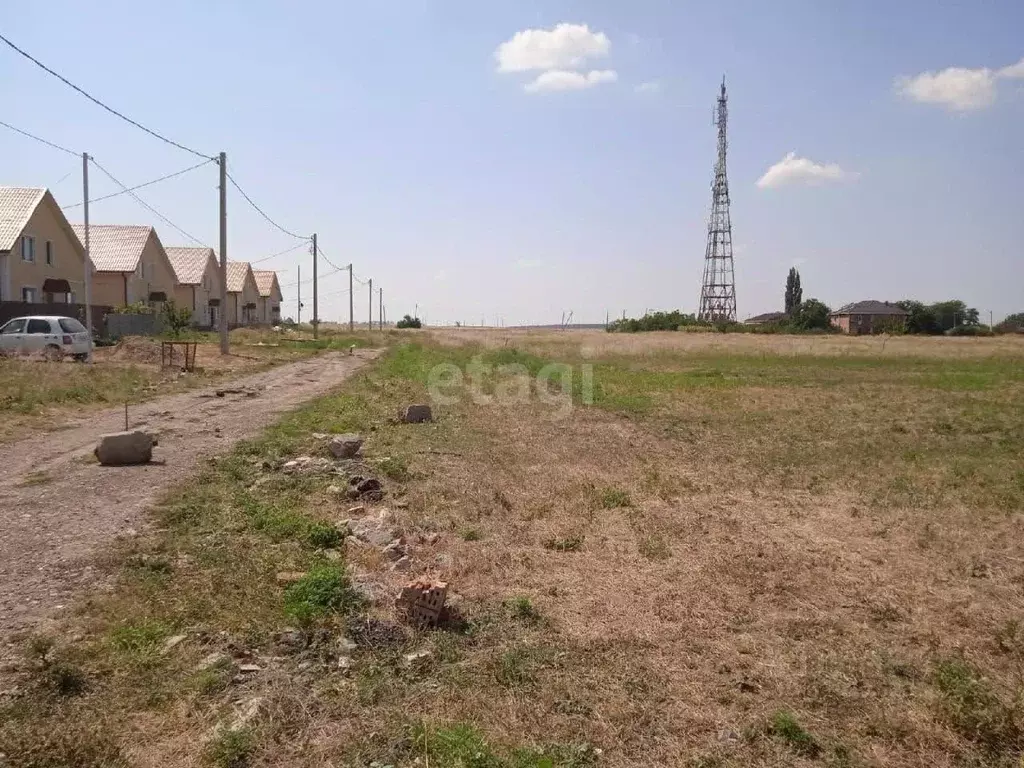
[
  {"x": 214, "y": 659},
  {"x": 368, "y": 488},
  {"x": 417, "y": 658},
  {"x": 123, "y": 448},
  {"x": 422, "y": 601},
  {"x": 359, "y": 509},
  {"x": 249, "y": 669},
  {"x": 415, "y": 414},
  {"x": 345, "y": 446},
  {"x": 247, "y": 391},
  {"x": 171, "y": 642},
  {"x": 289, "y": 577},
  {"x": 395, "y": 550},
  {"x": 376, "y": 531},
  {"x": 309, "y": 465},
  {"x": 402, "y": 565},
  {"x": 290, "y": 640},
  {"x": 378, "y": 633}
]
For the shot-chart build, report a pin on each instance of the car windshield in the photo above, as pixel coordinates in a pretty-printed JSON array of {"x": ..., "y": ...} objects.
[
  {"x": 70, "y": 325},
  {"x": 15, "y": 326}
]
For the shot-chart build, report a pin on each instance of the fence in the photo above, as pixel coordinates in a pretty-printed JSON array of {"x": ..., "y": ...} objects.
[
  {"x": 119, "y": 325},
  {"x": 10, "y": 309}
]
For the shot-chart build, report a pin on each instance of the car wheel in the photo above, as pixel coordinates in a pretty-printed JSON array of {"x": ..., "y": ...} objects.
[
  {"x": 81, "y": 358},
  {"x": 54, "y": 353}
]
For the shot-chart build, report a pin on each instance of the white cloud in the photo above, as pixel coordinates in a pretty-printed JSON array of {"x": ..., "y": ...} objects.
[
  {"x": 958, "y": 88},
  {"x": 1014, "y": 71},
  {"x": 562, "y": 47},
  {"x": 650, "y": 87},
  {"x": 955, "y": 88},
  {"x": 564, "y": 80},
  {"x": 799, "y": 170}
]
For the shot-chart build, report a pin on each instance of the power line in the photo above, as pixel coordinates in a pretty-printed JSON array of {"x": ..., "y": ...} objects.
[
  {"x": 320, "y": 252},
  {"x": 96, "y": 101},
  {"x": 262, "y": 213},
  {"x": 140, "y": 186},
  {"x": 279, "y": 253},
  {"x": 147, "y": 206},
  {"x": 41, "y": 141}
]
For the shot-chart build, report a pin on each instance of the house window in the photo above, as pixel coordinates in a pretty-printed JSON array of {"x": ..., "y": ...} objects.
[
  {"x": 28, "y": 295},
  {"x": 28, "y": 248},
  {"x": 206, "y": 283},
  {"x": 142, "y": 269},
  {"x": 49, "y": 253}
]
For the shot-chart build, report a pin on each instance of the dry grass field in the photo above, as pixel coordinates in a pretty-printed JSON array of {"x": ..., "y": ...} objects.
[{"x": 747, "y": 550}]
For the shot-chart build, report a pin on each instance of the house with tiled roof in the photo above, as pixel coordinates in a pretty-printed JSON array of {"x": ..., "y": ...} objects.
[
  {"x": 41, "y": 259},
  {"x": 197, "y": 273},
  {"x": 268, "y": 309},
  {"x": 243, "y": 295},
  {"x": 868, "y": 316},
  {"x": 131, "y": 265}
]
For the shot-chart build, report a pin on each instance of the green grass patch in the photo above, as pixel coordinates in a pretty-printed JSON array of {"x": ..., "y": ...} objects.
[{"x": 324, "y": 590}]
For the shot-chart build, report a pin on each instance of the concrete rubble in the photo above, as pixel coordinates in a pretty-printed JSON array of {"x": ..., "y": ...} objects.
[
  {"x": 125, "y": 448},
  {"x": 415, "y": 414},
  {"x": 345, "y": 446},
  {"x": 423, "y": 601}
]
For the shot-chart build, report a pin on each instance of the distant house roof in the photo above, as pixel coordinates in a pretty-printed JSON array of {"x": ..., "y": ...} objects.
[
  {"x": 767, "y": 317},
  {"x": 237, "y": 272},
  {"x": 265, "y": 281},
  {"x": 115, "y": 247},
  {"x": 17, "y": 204},
  {"x": 189, "y": 263},
  {"x": 871, "y": 307}
]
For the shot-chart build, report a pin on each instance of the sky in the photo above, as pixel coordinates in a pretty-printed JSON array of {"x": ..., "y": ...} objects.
[{"x": 516, "y": 160}]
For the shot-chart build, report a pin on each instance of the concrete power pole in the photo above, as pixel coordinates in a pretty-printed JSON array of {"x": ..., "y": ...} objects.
[
  {"x": 88, "y": 261},
  {"x": 369, "y": 324},
  {"x": 316, "y": 308},
  {"x": 380, "y": 309},
  {"x": 351, "y": 303},
  {"x": 298, "y": 288},
  {"x": 224, "y": 347}
]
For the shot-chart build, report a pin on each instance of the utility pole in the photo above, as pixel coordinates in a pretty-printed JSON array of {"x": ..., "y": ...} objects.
[
  {"x": 224, "y": 347},
  {"x": 380, "y": 309},
  {"x": 351, "y": 299},
  {"x": 316, "y": 309},
  {"x": 299, "y": 289},
  {"x": 369, "y": 324},
  {"x": 88, "y": 261}
]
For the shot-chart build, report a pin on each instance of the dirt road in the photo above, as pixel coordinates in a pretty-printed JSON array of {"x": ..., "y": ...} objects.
[{"x": 57, "y": 506}]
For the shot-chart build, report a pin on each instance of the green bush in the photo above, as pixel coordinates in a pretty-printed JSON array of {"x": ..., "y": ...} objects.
[{"x": 409, "y": 322}]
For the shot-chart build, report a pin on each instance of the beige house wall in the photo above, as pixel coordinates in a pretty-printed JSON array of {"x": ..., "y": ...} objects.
[
  {"x": 153, "y": 274},
  {"x": 68, "y": 259},
  {"x": 197, "y": 297}
]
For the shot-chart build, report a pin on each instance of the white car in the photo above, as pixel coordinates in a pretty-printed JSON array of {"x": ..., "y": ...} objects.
[{"x": 50, "y": 336}]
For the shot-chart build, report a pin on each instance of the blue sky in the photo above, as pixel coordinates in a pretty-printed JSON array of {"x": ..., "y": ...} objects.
[{"x": 390, "y": 129}]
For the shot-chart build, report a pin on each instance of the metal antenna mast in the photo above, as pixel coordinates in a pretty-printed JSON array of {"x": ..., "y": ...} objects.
[{"x": 718, "y": 291}]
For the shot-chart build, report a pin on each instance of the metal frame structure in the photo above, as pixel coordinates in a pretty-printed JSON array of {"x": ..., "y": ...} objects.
[{"x": 718, "y": 288}]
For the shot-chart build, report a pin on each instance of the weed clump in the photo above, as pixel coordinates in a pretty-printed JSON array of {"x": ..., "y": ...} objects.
[
  {"x": 567, "y": 544},
  {"x": 322, "y": 591},
  {"x": 975, "y": 710},
  {"x": 786, "y": 727},
  {"x": 231, "y": 749}
]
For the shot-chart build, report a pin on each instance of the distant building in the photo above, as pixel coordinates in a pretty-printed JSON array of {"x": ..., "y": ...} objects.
[
  {"x": 867, "y": 316},
  {"x": 131, "y": 265},
  {"x": 198, "y": 283},
  {"x": 766, "y": 319},
  {"x": 243, "y": 294},
  {"x": 268, "y": 307}
]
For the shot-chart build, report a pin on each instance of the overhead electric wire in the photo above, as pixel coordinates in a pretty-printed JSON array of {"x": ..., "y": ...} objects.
[
  {"x": 96, "y": 101},
  {"x": 41, "y": 141},
  {"x": 261, "y": 212},
  {"x": 140, "y": 186},
  {"x": 147, "y": 206},
  {"x": 320, "y": 252},
  {"x": 279, "y": 253}
]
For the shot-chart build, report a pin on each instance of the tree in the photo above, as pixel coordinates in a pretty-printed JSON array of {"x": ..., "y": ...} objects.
[
  {"x": 920, "y": 318},
  {"x": 176, "y": 319},
  {"x": 409, "y": 322},
  {"x": 794, "y": 293},
  {"x": 1012, "y": 324},
  {"x": 811, "y": 315}
]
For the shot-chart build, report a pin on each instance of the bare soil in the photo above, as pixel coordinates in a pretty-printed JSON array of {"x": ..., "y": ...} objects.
[{"x": 58, "y": 505}]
